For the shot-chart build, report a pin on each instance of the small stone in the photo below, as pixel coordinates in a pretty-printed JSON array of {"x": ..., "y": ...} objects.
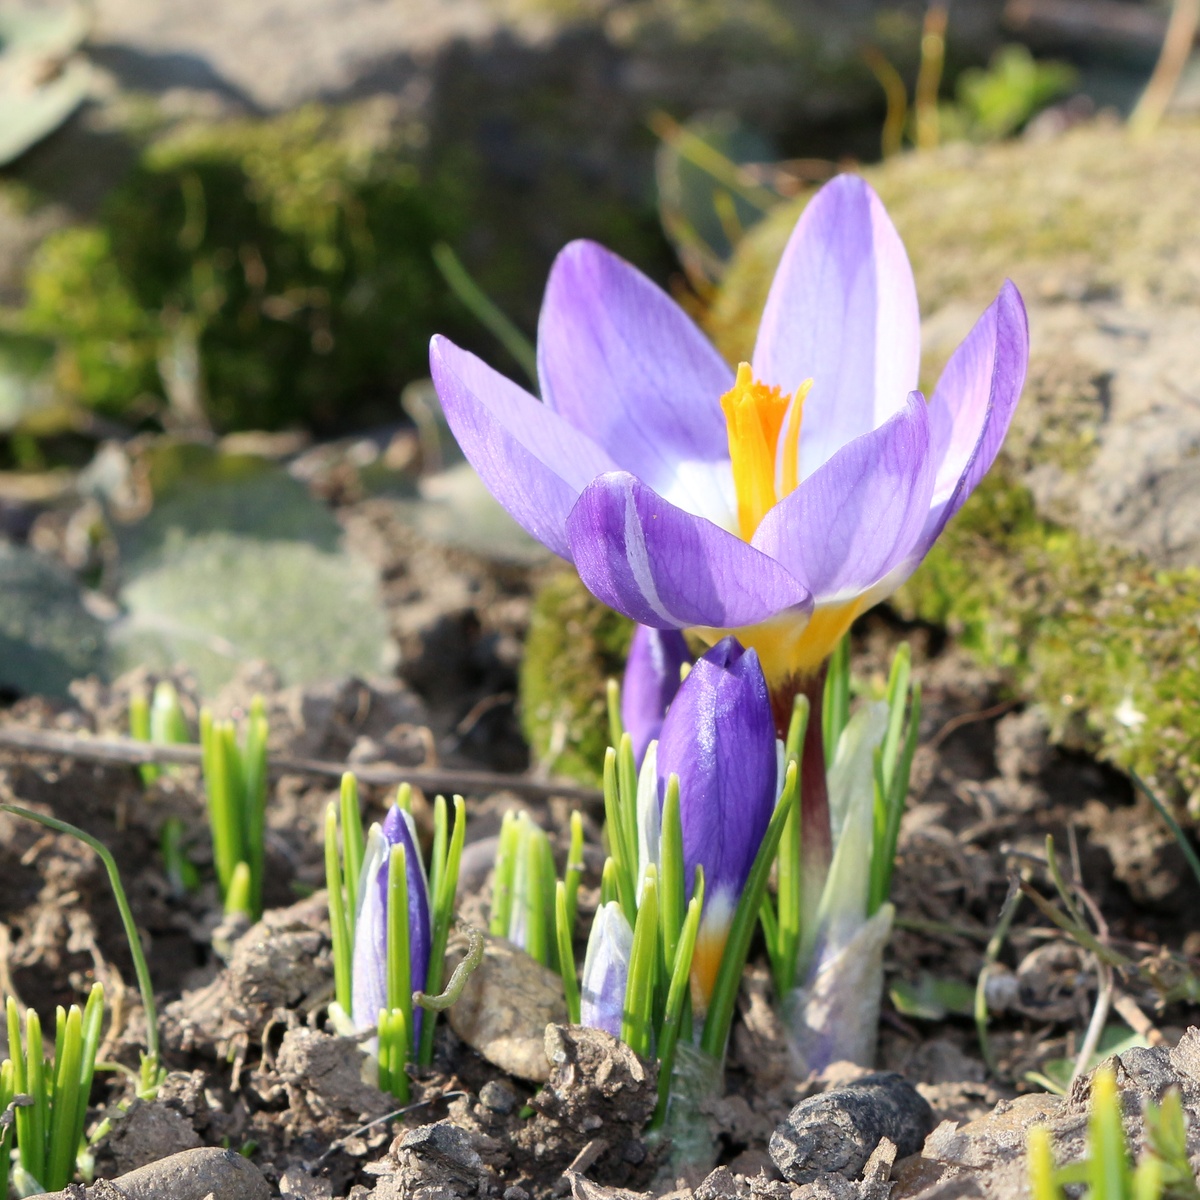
[
  {"x": 497, "y": 1096},
  {"x": 203, "y": 1174},
  {"x": 837, "y": 1131},
  {"x": 505, "y": 1008},
  {"x": 515, "y": 1193}
]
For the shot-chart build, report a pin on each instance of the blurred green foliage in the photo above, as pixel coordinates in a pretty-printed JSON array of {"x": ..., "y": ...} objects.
[
  {"x": 260, "y": 272},
  {"x": 996, "y": 102}
]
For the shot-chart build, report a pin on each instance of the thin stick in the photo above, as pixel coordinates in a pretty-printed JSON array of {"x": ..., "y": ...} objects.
[
  {"x": 1176, "y": 48},
  {"x": 1096, "y": 1025},
  {"x": 130, "y": 752}
]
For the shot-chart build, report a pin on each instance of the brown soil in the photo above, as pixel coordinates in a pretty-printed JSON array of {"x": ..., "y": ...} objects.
[{"x": 254, "y": 1067}]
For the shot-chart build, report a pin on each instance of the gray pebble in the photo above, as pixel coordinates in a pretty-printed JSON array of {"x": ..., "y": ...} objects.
[
  {"x": 837, "y": 1131},
  {"x": 189, "y": 1175}
]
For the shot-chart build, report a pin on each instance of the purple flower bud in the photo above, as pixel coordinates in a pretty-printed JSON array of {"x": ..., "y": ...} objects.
[
  {"x": 369, "y": 968},
  {"x": 719, "y": 738},
  {"x": 606, "y": 970},
  {"x": 656, "y": 657}
]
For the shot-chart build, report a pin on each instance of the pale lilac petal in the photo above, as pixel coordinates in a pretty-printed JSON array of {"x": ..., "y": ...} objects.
[
  {"x": 666, "y": 568},
  {"x": 369, "y": 961},
  {"x": 532, "y": 461},
  {"x": 656, "y": 657},
  {"x": 974, "y": 404},
  {"x": 842, "y": 311},
  {"x": 606, "y": 970},
  {"x": 623, "y": 363},
  {"x": 719, "y": 739},
  {"x": 849, "y": 523}
]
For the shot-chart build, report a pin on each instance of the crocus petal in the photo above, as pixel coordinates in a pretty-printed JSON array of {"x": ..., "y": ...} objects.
[
  {"x": 606, "y": 970},
  {"x": 623, "y": 363},
  {"x": 649, "y": 815},
  {"x": 664, "y": 567},
  {"x": 719, "y": 738},
  {"x": 369, "y": 963},
  {"x": 711, "y": 938},
  {"x": 842, "y": 311},
  {"x": 845, "y": 527},
  {"x": 656, "y": 656},
  {"x": 369, "y": 966},
  {"x": 973, "y": 405},
  {"x": 532, "y": 461}
]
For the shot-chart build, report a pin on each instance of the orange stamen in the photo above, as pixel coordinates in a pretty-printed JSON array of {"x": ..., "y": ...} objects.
[{"x": 754, "y": 416}]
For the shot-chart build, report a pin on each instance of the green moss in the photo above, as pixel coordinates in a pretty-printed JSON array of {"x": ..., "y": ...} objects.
[
  {"x": 287, "y": 257},
  {"x": 1106, "y": 643},
  {"x": 574, "y": 646}
]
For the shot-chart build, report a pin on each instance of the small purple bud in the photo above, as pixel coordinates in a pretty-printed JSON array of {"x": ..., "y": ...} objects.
[
  {"x": 369, "y": 968},
  {"x": 606, "y": 970},
  {"x": 719, "y": 738},
  {"x": 652, "y": 669}
]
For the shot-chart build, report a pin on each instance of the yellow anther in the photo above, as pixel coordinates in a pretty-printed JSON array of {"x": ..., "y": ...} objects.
[{"x": 754, "y": 419}]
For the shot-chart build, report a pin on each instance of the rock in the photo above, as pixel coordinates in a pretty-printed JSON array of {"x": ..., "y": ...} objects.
[
  {"x": 1076, "y": 564},
  {"x": 203, "y": 1174},
  {"x": 838, "y": 1131},
  {"x": 47, "y": 635},
  {"x": 204, "y": 570},
  {"x": 988, "y": 1157},
  {"x": 505, "y": 1008}
]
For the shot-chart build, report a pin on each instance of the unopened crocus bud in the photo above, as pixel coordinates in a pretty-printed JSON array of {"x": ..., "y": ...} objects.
[
  {"x": 719, "y": 739},
  {"x": 652, "y": 670},
  {"x": 606, "y": 970},
  {"x": 369, "y": 992}
]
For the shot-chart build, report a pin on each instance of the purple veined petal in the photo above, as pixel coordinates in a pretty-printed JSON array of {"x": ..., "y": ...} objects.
[
  {"x": 719, "y": 738},
  {"x": 369, "y": 967},
  {"x": 623, "y": 363},
  {"x": 849, "y": 523},
  {"x": 666, "y": 568},
  {"x": 532, "y": 461},
  {"x": 606, "y": 970},
  {"x": 842, "y": 311},
  {"x": 656, "y": 657},
  {"x": 973, "y": 406}
]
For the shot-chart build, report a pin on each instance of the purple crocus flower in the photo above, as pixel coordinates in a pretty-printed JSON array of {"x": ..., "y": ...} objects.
[
  {"x": 606, "y": 970},
  {"x": 652, "y": 670},
  {"x": 777, "y": 503},
  {"x": 719, "y": 739},
  {"x": 369, "y": 968}
]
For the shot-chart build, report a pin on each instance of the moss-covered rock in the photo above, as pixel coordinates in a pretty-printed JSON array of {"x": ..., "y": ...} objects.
[
  {"x": 267, "y": 271},
  {"x": 1077, "y": 565},
  {"x": 574, "y": 646}
]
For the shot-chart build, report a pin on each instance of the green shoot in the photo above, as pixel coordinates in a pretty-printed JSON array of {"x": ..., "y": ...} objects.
[
  {"x": 161, "y": 722},
  {"x": 48, "y": 1131},
  {"x": 1107, "y": 1171},
  {"x": 443, "y": 889},
  {"x": 523, "y": 901},
  {"x": 151, "y": 1073},
  {"x": 235, "y": 781}
]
